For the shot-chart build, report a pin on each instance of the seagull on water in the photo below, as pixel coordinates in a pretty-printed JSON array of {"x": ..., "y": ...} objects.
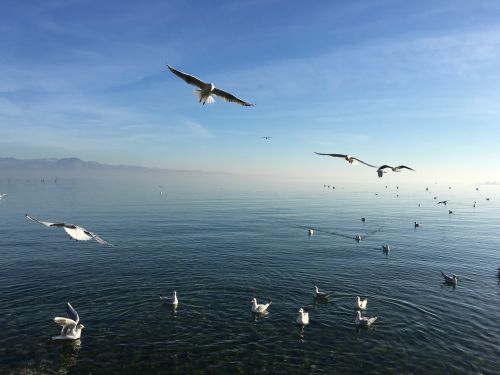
[
  {"x": 74, "y": 231},
  {"x": 350, "y": 159},
  {"x": 386, "y": 248},
  {"x": 303, "y": 317},
  {"x": 310, "y": 231},
  {"x": 417, "y": 225},
  {"x": 361, "y": 303},
  {"x": 452, "y": 280},
  {"x": 443, "y": 202},
  {"x": 364, "y": 321},
  {"x": 71, "y": 330},
  {"x": 206, "y": 90},
  {"x": 321, "y": 295},
  {"x": 380, "y": 170},
  {"x": 170, "y": 300},
  {"x": 358, "y": 237},
  {"x": 259, "y": 308}
]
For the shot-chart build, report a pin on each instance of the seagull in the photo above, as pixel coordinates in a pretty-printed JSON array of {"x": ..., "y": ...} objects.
[
  {"x": 364, "y": 321},
  {"x": 310, "y": 231},
  {"x": 71, "y": 330},
  {"x": 171, "y": 300},
  {"x": 450, "y": 212},
  {"x": 358, "y": 237},
  {"x": 363, "y": 219},
  {"x": 2, "y": 195},
  {"x": 259, "y": 308},
  {"x": 452, "y": 280},
  {"x": 443, "y": 202},
  {"x": 206, "y": 90},
  {"x": 361, "y": 303},
  {"x": 417, "y": 225},
  {"x": 321, "y": 295},
  {"x": 380, "y": 170},
  {"x": 350, "y": 159},
  {"x": 386, "y": 248},
  {"x": 74, "y": 231},
  {"x": 267, "y": 138},
  {"x": 303, "y": 317}
]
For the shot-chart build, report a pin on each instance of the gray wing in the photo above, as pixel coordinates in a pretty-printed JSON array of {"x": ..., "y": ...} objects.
[
  {"x": 72, "y": 313},
  {"x": 384, "y": 166},
  {"x": 46, "y": 223},
  {"x": 98, "y": 239},
  {"x": 230, "y": 97},
  {"x": 361, "y": 161},
  {"x": 192, "y": 80},
  {"x": 334, "y": 155},
  {"x": 405, "y": 167}
]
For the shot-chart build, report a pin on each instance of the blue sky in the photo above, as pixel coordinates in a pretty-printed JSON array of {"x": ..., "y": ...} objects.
[{"x": 390, "y": 82}]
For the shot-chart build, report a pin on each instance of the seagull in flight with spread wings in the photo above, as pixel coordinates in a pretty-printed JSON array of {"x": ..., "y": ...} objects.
[
  {"x": 74, "y": 231},
  {"x": 380, "y": 170},
  {"x": 71, "y": 329},
  {"x": 350, "y": 159},
  {"x": 205, "y": 90},
  {"x": 268, "y": 138}
]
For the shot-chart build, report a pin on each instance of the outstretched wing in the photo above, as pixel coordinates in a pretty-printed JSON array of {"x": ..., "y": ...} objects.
[
  {"x": 99, "y": 239},
  {"x": 192, "y": 80},
  {"x": 405, "y": 167},
  {"x": 230, "y": 97},
  {"x": 334, "y": 155},
  {"x": 384, "y": 167},
  {"x": 46, "y": 223},
  {"x": 67, "y": 324},
  {"x": 72, "y": 313},
  {"x": 361, "y": 161}
]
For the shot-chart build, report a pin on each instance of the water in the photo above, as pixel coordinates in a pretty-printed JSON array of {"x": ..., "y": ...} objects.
[{"x": 220, "y": 248}]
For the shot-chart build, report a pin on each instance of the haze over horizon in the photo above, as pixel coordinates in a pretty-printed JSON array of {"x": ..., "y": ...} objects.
[{"x": 390, "y": 83}]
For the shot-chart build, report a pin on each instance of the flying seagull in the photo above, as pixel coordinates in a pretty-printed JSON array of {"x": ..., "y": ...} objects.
[
  {"x": 380, "y": 170},
  {"x": 74, "y": 231},
  {"x": 259, "y": 308},
  {"x": 71, "y": 330},
  {"x": 350, "y": 159},
  {"x": 443, "y": 202},
  {"x": 267, "y": 137},
  {"x": 206, "y": 90}
]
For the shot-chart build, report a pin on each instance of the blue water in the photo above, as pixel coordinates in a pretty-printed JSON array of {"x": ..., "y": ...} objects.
[{"x": 219, "y": 248}]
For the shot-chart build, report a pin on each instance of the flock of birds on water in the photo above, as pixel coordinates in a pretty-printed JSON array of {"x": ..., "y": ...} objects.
[{"x": 205, "y": 92}]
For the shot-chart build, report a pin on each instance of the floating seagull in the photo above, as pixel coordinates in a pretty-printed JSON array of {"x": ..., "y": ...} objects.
[
  {"x": 380, "y": 170},
  {"x": 364, "y": 321},
  {"x": 443, "y": 202},
  {"x": 310, "y": 232},
  {"x": 71, "y": 330},
  {"x": 321, "y": 295},
  {"x": 170, "y": 300},
  {"x": 417, "y": 225},
  {"x": 303, "y": 317},
  {"x": 363, "y": 219},
  {"x": 358, "y": 237},
  {"x": 361, "y": 303},
  {"x": 76, "y": 232},
  {"x": 350, "y": 159},
  {"x": 386, "y": 248},
  {"x": 259, "y": 308},
  {"x": 450, "y": 212},
  {"x": 452, "y": 280},
  {"x": 267, "y": 137},
  {"x": 206, "y": 90}
]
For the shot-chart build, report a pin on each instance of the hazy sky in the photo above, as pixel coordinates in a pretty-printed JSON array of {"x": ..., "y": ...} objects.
[{"x": 390, "y": 82}]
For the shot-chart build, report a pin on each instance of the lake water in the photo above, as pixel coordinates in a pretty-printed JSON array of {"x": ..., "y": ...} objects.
[{"x": 221, "y": 247}]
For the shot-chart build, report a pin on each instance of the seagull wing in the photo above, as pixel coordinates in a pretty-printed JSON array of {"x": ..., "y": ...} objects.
[
  {"x": 361, "y": 161},
  {"x": 72, "y": 313},
  {"x": 192, "y": 80},
  {"x": 334, "y": 155},
  {"x": 67, "y": 324},
  {"x": 230, "y": 97},
  {"x": 98, "y": 239},
  {"x": 405, "y": 167},
  {"x": 384, "y": 166},
  {"x": 46, "y": 223}
]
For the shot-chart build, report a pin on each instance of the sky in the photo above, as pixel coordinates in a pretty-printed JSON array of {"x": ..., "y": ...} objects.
[{"x": 390, "y": 82}]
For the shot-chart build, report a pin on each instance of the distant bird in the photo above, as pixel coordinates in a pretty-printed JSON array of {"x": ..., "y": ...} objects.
[
  {"x": 361, "y": 303},
  {"x": 350, "y": 159},
  {"x": 417, "y": 225},
  {"x": 321, "y": 295},
  {"x": 363, "y": 219},
  {"x": 450, "y": 212},
  {"x": 452, "y": 280},
  {"x": 419, "y": 205},
  {"x": 267, "y": 137},
  {"x": 358, "y": 237},
  {"x": 427, "y": 188},
  {"x": 435, "y": 197},
  {"x": 259, "y": 308},
  {"x": 474, "y": 205},
  {"x": 170, "y": 300},
  {"x": 74, "y": 231},
  {"x": 386, "y": 248},
  {"x": 310, "y": 231},
  {"x": 364, "y": 321},
  {"x": 2, "y": 195},
  {"x": 487, "y": 199},
  {"x": 443, "y": 202},
  {"x": 303, "y": 317},
  {"x": 380, "y": 170},
  {"x": 71, "y": 330},
  {"x": 206, "y": 90}
]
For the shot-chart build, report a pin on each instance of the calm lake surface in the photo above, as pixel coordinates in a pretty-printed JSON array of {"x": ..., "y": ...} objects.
[{"x": 219, "y": 248}]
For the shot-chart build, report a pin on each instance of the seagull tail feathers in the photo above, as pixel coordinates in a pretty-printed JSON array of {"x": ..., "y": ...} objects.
[{"x": 203, "y": 97}]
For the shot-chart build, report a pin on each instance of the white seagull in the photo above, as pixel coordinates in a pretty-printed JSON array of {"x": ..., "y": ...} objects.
[
  {"x": 364, "y": 321},
  {"x": 386, "y": 248},
  {"x": 361, "y": 303},
  {"x": 321, "y": 295},
  {"x": 74, "y": 231},
  {"x": 350, "y": 159},
  {"x": 71, "y": 330},
  {"x": 310, "y": 231},
  {"x": 380, "y": 170},
  {"x": 452, "y": 280},
  {"x": 358, "y": 237},
  {"x": 171, "y": 300},
  {"x": 303, "y": 317},
  {"x": 259, "y": 308},
  {"x": 2, "y": 195},
  {"x": 206, "y": 90}
]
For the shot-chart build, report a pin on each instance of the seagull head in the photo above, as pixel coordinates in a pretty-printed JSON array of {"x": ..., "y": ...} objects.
[
  {"x": 80, "y": 326},
  {"x": 301, "y": 310},
  {"x": 253, "y": 300}
]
